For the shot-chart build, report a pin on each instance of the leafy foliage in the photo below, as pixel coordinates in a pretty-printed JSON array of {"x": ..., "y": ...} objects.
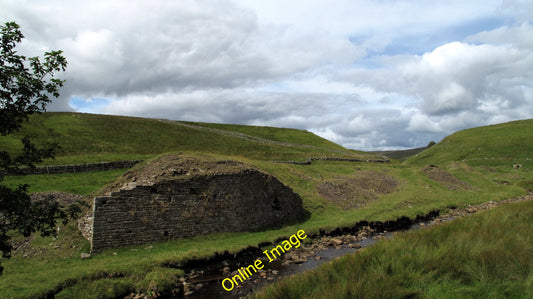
[
  {"x": 24, "y": 91},
  {"x": 25, "y": 88}
]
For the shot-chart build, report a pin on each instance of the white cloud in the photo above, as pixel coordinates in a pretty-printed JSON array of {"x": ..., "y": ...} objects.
[
  {"x": 517, "y": 36},
  {"x": 459, "y": 84},
  {"x": 326, "y": 66},
  {"x": 422, "y": 123}
]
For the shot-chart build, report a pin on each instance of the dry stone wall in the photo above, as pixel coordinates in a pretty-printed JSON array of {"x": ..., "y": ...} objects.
[
  {"x": 248, "y": 200},
  {"x": 74, "y": 168}
]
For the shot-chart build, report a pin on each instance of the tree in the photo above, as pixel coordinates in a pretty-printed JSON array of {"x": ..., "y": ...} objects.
[
  {"x": 431, "y": 143},
  {"x": 26, "y": 86}
]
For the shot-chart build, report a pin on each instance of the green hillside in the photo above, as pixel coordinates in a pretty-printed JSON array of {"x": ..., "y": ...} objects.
[
  {"x": 93, "y": 138},
  {"x": 293, "y": 136},
  {"x": 497, "y": 145},
  {"x": 336, "y": 192}
]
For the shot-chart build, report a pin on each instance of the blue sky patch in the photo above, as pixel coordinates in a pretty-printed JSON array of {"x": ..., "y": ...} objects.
[{"x": 91, "y": 105}]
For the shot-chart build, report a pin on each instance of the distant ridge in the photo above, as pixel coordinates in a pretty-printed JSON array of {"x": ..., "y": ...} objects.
[{"x": 401, "y": 155}]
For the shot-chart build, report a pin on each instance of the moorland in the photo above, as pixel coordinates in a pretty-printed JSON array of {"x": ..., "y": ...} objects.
[{"x": 487, "y": 254}]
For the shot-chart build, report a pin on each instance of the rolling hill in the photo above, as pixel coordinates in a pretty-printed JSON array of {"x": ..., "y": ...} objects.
[
  {"x": 496, "y": 145},
  {"x": 88, "y": 138}
]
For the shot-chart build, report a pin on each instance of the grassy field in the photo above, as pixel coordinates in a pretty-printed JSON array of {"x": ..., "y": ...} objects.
[
  {"x": 336, "y": 193},
  {"x": 487, "y": 255}
]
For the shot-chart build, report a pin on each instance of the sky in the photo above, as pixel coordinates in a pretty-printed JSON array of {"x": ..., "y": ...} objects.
[{"x": 366, "y": 74}]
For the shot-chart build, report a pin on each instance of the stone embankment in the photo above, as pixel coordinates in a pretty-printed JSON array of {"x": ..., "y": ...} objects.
[{"x": 178, "y": 196}]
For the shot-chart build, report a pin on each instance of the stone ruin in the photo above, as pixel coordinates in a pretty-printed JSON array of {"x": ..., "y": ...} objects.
[{"x": 178, "y": 196}]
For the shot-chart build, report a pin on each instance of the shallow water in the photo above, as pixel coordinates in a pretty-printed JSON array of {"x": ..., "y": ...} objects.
[{"x": 275, "y": 270}]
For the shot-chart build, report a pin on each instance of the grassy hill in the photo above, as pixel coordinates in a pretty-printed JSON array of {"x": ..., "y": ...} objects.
[
  {"x": 93, "y": 138},
  {"x": 497, "y": 145},
  {"x": 270, "y": 134}
]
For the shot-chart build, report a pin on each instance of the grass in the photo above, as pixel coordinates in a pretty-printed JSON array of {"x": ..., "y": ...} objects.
[
  {"x": 84, "y": 278},
  {"x": 487, "y": 255},
  {"x": 416, "y": 195},
  {"x": 77, "y": 183},
  {"x": 294, "y": 136},
  {"x": 497, "y": 145},
  {"x": 87, "y": 138},
  {"x": 33, "y": 277}
]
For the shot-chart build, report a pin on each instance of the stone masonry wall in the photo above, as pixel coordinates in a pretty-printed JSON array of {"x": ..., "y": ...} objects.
[{"x": 245, "y": 201}]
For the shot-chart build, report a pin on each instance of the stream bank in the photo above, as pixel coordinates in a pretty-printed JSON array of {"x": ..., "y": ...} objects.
[{"x": 204, "y": 276}]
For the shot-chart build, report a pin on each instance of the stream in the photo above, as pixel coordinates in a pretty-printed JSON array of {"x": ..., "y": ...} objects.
[
  {"x": 324, "y": 247},
  {"x": 208, "y": 285},
  {"x": 276, "y": 271}
]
